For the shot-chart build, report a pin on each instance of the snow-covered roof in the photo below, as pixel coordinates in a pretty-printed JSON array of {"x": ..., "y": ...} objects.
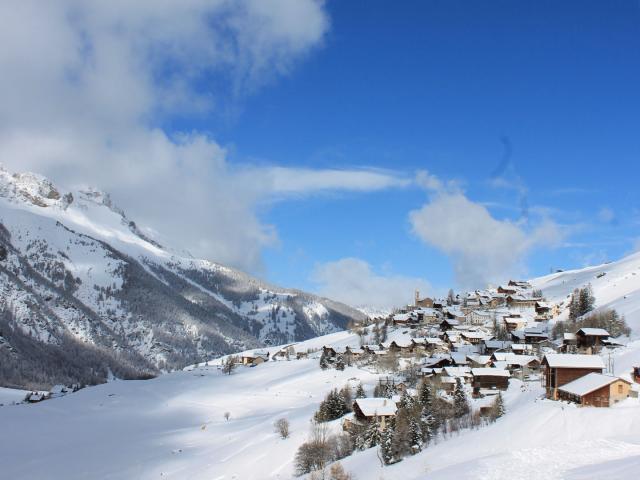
[
  {"x": 474, "y": 335},
  {"x": 569, "y": 336},
  {"x": 376, "y": 406},
  {"x": 589, "y": 383},
  {"x": 520, "y": 360},
  {"x": 498, "y": 343},
  {"x": 596, "y": 332},
  {"x": 560, "y": 360},
  {"x": 521, "y": 347},
  {"x": 480, "y": 359},
  {"x": 457, "y": 371},
  {"x": 490, "y": 372}
]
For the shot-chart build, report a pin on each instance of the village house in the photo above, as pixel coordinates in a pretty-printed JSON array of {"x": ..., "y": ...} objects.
[
  {"x": 595, "y": 390},
  {"x": 490, "y": 346},
  {"x": 569, "y": 342},
  {"x": 463, "y": 373},
  {"x": 543, "y": 309},
  {"x": 490, "y": 378},
  {"x": 474, "y": 338},
  {"x": 448, "y": 324},
  {"x": 591, "y": 338},
  {"x": 520, "y": 302},
  {"x": 522, "y": 348},
  {"x": 427, "y": 315},
  {"x": 529, "y": 335},
  {"x": 508, "y": 289},
  {"x": 561, "y": 369},
  {"x": 513, "y": 322},
  {"x": 254, "y": 358},
  {"x": 480, "y": 317},
  {"x": 479, "y": 361},
  {"x": 380, "y": 410}
]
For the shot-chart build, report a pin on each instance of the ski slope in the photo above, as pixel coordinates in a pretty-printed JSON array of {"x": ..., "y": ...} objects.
[{"x": 618, "y": 288}]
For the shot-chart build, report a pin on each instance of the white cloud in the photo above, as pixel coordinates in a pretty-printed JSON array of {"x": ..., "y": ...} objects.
[
  {"x": 482, "y": 248},
  {"x": 352, "y": 281},
  {"x": 86, "y": 86},
  {"x": 295, "y": 181}
]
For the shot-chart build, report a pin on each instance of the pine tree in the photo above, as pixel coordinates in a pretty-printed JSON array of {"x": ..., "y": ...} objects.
[
  {"x": 425, "y": 397},
  {"x": 460, "y": 404},
  {"x": 360, "y": 393},
  {"x": 429, "y": 428},
  {"x": 406, "y": 401},
  {"x": 386, "y": 445},
  {"x": 415, "y": 433},
  {"x": 586, "y": 300},
  {"x": 324, "y": 361},
  {"x": 371, "y": 436},
  {"x": 498, "y": 407},
  {"x": 340, "y": 362},
  {"x": 574, "y": 305}
]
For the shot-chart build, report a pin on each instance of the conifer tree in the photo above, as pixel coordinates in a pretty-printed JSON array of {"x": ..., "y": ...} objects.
[
  {"x": 460, "y": 404},
  {"x": 425, "y": 397},
  {"x": 360, "y": 393},
  {"x": 386, "y": 445},
  {"x": 324, "y": 361},
  {"x": 371, "y": 435},
  {"x": 340, "y": 362},
  {"x": 415, "y": 432},
  {"x": 498, "y": 407},
  {"x": 406, "y": 401}
]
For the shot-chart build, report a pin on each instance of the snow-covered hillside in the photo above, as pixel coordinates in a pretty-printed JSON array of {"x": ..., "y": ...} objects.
[
  {"x": 174, "y": 427},
  {"x": 615, "y": 285},
  {"x": 85, "y": 293}
]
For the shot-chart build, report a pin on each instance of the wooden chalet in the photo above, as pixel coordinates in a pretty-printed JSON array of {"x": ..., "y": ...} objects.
[
  {"x": 490, "y": 346},
  {"x": 591, "y": 337},
  {"x": 543, "y": 308},
  {"x": 561, "y": 369},
  {"x": 520, "y": 302},
  {"x": 491, "y": 378},
  {"x": 379, "y": 410},
  {"x": 595, "y": 390},
  {"x": 508, "y": 289},
  {"x": 254, "y": 358}
]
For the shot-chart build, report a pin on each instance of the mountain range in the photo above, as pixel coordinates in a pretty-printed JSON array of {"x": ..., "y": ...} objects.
[{"x": 86, "y": 294}]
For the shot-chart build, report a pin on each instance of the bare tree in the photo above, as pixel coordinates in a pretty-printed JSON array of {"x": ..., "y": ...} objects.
[
  {"x": 281, "y": 427},
  {"x": 229, "y": 365}
]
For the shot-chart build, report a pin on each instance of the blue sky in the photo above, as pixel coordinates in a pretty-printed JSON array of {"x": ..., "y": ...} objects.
[
  {"x": 524, "y": 114},
  {"x": 439, "y": 86}
]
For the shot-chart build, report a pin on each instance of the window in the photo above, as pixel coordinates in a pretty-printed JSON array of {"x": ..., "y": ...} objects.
[{"x": 619, "y": 388}]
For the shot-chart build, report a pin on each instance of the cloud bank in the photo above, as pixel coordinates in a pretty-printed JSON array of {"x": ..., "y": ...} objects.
[
  {"x": 353, "y": 281},
  {"x": 87, "y": 86},
  {"x": 483, "y": 249}
]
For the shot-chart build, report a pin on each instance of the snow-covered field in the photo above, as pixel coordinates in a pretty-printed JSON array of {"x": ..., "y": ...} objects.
[{"x": 174, "y": 427}]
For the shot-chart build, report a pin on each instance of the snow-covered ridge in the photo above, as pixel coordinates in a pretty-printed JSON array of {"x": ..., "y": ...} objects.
[
  {"x": 78, "y": 272},
  {"x": 615, "y": 285}
]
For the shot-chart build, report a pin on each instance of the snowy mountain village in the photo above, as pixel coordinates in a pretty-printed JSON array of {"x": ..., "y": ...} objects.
[{"x": 442, "y": 366}]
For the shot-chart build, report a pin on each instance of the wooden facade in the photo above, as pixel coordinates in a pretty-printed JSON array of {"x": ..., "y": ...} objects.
[
  {"x": 555, "y": 377},
  {"x": 604, "y": 396}
]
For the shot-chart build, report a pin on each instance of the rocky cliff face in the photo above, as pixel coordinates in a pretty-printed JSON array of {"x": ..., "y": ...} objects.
[{"x": 85, "y": 294}]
